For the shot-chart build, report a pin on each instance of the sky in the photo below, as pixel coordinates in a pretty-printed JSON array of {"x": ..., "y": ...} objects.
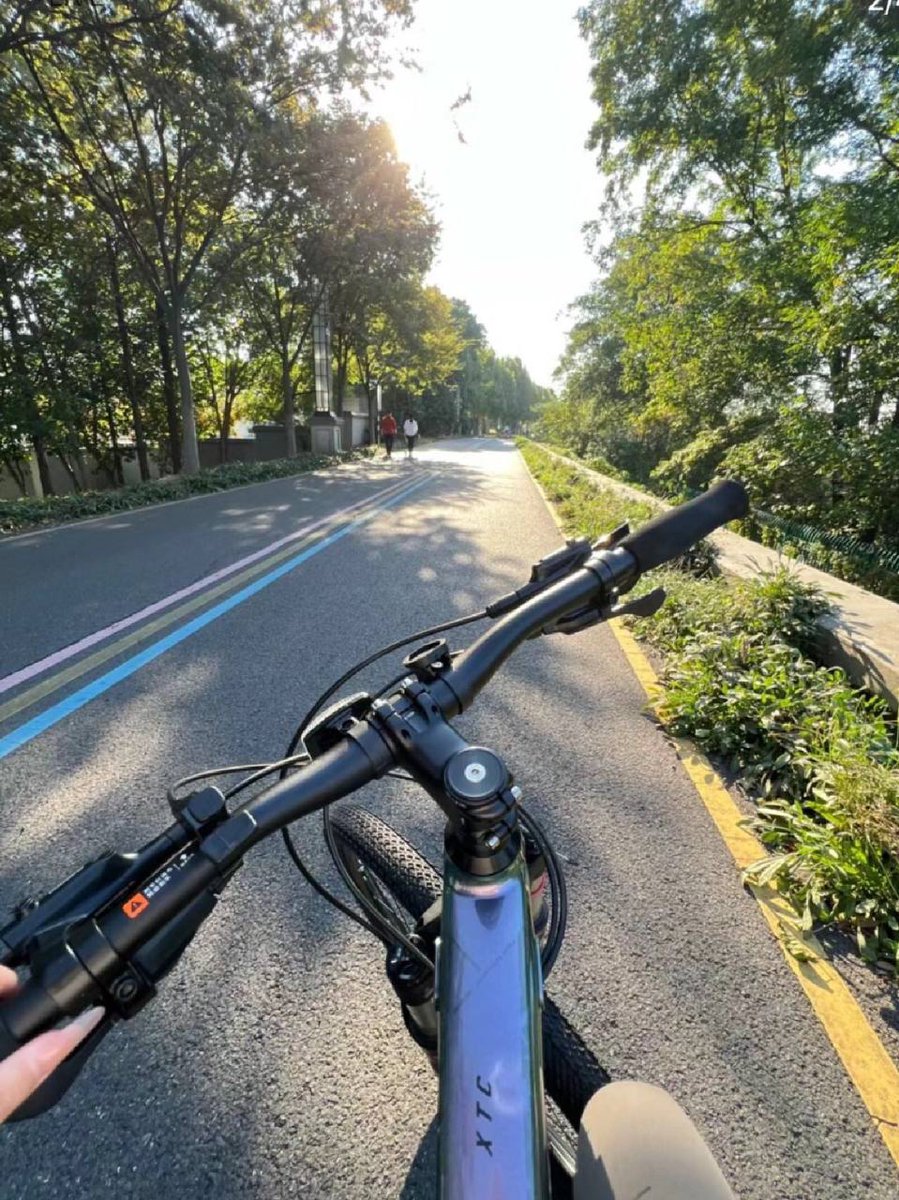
[{"x": 513, "y": 198}]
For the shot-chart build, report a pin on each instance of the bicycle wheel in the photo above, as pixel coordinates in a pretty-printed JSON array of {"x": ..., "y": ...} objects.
[{"x": 403, "y": 885}]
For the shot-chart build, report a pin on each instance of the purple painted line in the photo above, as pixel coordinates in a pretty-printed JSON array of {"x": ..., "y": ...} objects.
[{"x": 60, "y": 656}]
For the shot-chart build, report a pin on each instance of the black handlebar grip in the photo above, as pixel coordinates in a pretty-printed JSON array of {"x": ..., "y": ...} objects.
[{"x": 667, "y": 536}]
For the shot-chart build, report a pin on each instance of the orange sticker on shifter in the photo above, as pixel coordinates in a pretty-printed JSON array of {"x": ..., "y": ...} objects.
[{"x": 136, "y": 905}]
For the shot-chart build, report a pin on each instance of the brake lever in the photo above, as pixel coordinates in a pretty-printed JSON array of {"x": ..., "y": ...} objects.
[
  {"x": 646, "y": 605},
  {"x": 616, "y": 535},
  {"x": 58, "y": 929},
  {"x": 547, "y": 571},
  {"x": 149, "y": 965},
  {"x": 556, "y": 566},
  {"x": 641, "y": 606}
]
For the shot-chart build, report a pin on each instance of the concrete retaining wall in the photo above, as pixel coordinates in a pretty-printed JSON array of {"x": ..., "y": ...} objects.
[
  {"x": 862, "y": 633},
  {"x": 238, "y": 450},
  {"x": 271, "y": 441},
  {"x": 89, "y": 475}
]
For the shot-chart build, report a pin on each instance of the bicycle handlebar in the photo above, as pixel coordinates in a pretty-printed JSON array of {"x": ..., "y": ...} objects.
[
  {"x": 671, "y": 534},
  {"x": 456, "y": 689},
  {"x": 109, "y": 933}
]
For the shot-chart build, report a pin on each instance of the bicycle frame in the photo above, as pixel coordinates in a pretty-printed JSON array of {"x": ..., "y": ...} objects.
[{"x": 489, "y": 995}]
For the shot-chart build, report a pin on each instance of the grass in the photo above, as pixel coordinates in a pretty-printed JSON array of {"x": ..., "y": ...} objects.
[
  {"x": 817, "y": 755},
  {"x": 27, "y": 513},
  {"x": 591, "y": 510}
]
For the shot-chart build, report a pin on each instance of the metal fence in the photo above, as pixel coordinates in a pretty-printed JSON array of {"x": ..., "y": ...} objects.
[
  {"x": 807, "y": 537},
  {"x": 873, "y": 568}
]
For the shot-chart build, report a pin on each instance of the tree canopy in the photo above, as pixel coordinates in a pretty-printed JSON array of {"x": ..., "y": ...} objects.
[{"x": 746, "y": 314}]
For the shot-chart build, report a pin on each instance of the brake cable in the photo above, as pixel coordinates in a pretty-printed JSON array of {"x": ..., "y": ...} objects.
[
  {"x": 557, "y": 888},
  {"x": 377, "y": 920}
]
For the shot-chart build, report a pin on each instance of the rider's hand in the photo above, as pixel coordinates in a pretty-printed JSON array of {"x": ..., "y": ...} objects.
[{"x": 27, "y": 1068}]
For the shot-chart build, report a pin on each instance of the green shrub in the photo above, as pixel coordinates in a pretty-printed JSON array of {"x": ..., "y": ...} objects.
[
  {"x": 21, "y": 514},
  {"x": 856, "y": 567},
  {"x": 836, "y": 853},
  {"x": 726, "y": 451},
  {"x": 771, "y": 712},
  {"x": 586, "y": 509},
  {"x": 818, "y": 754},
  {"x": 775, "y": 605}
]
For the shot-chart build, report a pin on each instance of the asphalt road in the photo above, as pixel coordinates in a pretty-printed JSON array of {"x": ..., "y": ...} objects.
[{"x": 274, "y": 1061}]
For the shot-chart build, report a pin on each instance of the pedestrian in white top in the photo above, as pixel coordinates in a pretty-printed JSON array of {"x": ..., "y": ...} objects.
[{"x": 410, "y": 430}]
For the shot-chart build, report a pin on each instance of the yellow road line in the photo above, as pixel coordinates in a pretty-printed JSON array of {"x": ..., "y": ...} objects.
[
  {"x": 867, "y": 1063},
  {"x": 864, "y": 1057}
]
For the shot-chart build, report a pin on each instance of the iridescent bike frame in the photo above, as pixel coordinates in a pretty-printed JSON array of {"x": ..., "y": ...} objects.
[{"x": 490, "y": 997}]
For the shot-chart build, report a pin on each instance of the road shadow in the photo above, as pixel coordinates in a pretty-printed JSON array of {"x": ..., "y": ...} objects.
[
  {"x": 255, "y": 1070},
  {"x": 421, "y": 1182}
]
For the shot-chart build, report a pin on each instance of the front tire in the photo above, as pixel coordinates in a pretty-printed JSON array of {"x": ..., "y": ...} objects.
[{"x": 403, "y": 885}]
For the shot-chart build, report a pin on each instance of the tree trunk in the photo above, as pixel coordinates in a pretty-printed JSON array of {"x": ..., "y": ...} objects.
[
  {"x": 168, "y": 388},
  {"x": 37, "y": 439},
  {"x": 15, "y": 469},
  {"x": 290, "y": 431},
  {"x": 372, "y": 413},
  {"x": 874, "y": 410},
  {"x": 843, "y": 416},
  {"x": 190, "y": 452},
  {"x": 117, "y": 470},
  {"x": 343, "y": 355},
  {"x": 43, "y": 466},
  {"x": 225, "y": 432},
  {"x": 127, "y": 370},
  {"x": 895, "y": 421},
  {"x": 82, "y": 471},
  {"x": 69, "y": 470}
]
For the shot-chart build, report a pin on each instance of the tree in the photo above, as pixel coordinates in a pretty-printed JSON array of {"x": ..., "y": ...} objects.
[
  {"x": 748, "y": 302},
  {"x": 226, "y": 374},
  {"x": 352, "y": 232},
  {"x": 34, "y": 22},
  {"x": 183, "y": 133},
  {"x": 387, "y": 237}
]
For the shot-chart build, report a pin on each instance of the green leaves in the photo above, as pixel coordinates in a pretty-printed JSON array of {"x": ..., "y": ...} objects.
[
  {"x": 819, "y": 756},
  {"x": 747, "y": 314},
  {"x": 185, "y": 137},
  {"x": 586, "y": 510}
]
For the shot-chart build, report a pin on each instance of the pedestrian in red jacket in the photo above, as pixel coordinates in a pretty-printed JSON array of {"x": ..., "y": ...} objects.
[{"x": 388, "y": 432}]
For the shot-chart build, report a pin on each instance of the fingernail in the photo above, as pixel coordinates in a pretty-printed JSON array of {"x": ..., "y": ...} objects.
[
  {"x": 89, "y": 1020},
  {"x": 47, "y": 1046}
]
